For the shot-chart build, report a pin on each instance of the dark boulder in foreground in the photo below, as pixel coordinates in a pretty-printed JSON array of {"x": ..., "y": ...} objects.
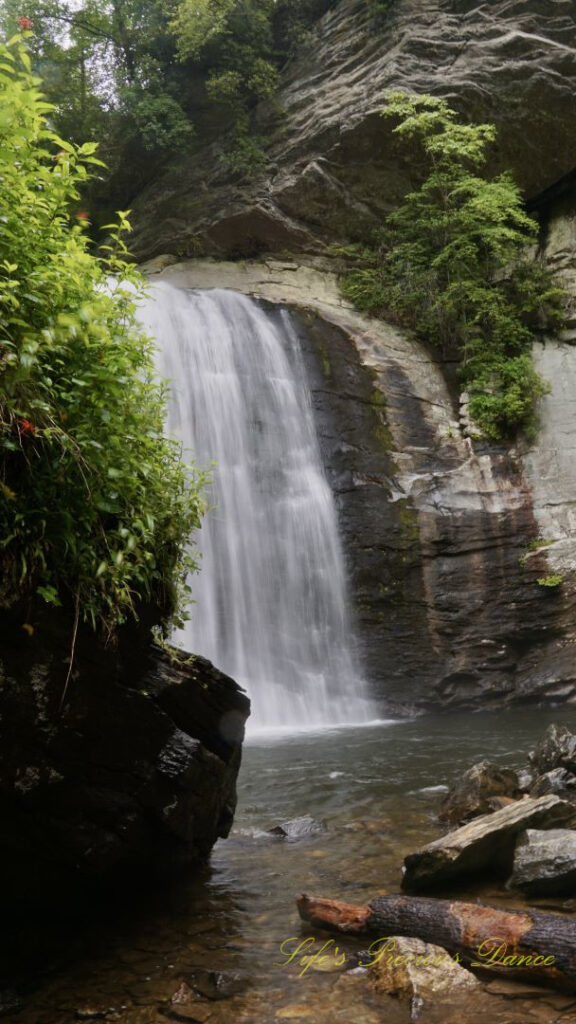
[
  {"x": 134, "y": 771},
  {"x": 485, "y": 844},
  {"x": 545, "y": 862}
]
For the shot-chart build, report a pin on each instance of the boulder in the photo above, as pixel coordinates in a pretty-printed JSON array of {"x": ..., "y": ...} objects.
[
  {"x": 298, "y": 828},
  {"x": 557, "y": 749},
  {"x": 545, "y": 862},
  {"x": 485, "y": 844},
  {"x": 558, "y": 781},
  {"x": 526, "y": 779},
  {"x": 475, "y": 791},
  {"x": 133, "y": 773},
  {"x": 416, "y": 970}
]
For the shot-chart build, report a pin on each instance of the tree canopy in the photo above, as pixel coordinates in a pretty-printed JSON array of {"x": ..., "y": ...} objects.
[{"x": 149, "y": 79}]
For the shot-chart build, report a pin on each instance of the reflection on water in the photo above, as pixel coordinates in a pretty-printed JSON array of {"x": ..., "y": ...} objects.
[{"x": 377, "y": 790}]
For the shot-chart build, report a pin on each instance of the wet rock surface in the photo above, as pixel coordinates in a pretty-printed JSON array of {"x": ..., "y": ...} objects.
[
  {"x": 440, "y": 534},
  {"x": 557, "y": 749},
  {"x": 477, "y": 791},
  {"x": 134, "y": 770},
  {"x": 559, "y": 781},
  {"x": 420, "y": 971},
  {"x": 298, "y": 828},
  {"x": 545, "y": 862},
  {"x": 485, "y": 844}
]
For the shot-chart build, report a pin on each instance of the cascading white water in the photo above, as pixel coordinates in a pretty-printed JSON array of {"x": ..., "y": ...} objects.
[{"x": 270, "y": 600}]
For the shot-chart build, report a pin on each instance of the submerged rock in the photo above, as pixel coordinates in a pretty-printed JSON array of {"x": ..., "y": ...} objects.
[
  {"x": 485, "y": 844},
  {"x": 416, "y": 970},
  {"x": 545, "y": 862},
  {"x": 216, "y": 985},
  {"x": 298, "y": 828},
  {"x": 474, "y": 793}
]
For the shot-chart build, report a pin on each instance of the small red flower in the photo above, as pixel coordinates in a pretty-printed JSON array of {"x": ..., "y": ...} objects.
[
  {"x": 26, "y": 427},
  {"x": 82, "y": 215},
  {"x": 25, "y": 24}
]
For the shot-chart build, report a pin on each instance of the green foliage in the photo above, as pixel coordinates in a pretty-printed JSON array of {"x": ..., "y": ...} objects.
[
  {"x": 379, "y": 11},
  {"x": 157, "y": 122},
  {"x": 196, "y": 22},
  {"x": 96, "y": 506},
  {"x": 143, "y": 76},
  {"x": 552, "y": 581},
  {"x": 535, "y": 545},
  {"x": 452, "y": 265}
]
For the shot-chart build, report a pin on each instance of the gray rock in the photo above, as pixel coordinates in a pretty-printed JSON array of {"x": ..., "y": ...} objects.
[
  {"x": 557, "y": 749},
  {"x": 545, "y": 862},
  {"x": 334, "y": 167},
  {"x": 474, "y": 791},
  {"x": 420, "y": 972},
  {"x": 559, "y": 781},
  {"x": 298, "y": 828},
  {"x": 216, "y": 985},
  {"x": 525, "y": 779},
  {"x": 485, "y": 844}
]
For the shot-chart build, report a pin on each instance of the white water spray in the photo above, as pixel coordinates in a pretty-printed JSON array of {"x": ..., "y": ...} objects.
[{"x": 271, "y": 603}]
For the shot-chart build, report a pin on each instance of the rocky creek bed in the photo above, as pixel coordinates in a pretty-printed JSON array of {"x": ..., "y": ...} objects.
[{"x": 211, "y": 950}]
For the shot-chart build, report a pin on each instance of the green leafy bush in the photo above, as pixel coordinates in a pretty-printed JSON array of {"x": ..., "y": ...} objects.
[
  {"x": 452, "y": 264},
  {"x": 96, "y": 506},
  {"x": 157, "y": 122}
]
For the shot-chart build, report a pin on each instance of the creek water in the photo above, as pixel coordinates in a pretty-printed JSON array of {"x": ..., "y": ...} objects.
[
  {"x": 271, "y": 606},
  {"x": 376, "y": 788}
]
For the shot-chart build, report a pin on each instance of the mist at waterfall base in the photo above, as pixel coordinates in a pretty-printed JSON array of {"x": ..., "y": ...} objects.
[{"x": 270, "y": 598}]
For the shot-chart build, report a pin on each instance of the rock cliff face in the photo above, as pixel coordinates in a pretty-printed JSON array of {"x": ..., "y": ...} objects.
[
  {"x": 334, "y": 167},
  {"x": 134, "y": 771},
  {"x": 446, "y": 538}
]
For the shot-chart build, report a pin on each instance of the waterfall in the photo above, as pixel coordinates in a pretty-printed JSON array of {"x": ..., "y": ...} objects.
[{"x": 270, "y": 600}]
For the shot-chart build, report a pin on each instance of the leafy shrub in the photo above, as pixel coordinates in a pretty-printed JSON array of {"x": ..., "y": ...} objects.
[
  {"x": 158, "y": 123},
  {"x": 452, "y": 264},
  {"x": 96, "y": 506},
  {"x": 552, "y": 581}
]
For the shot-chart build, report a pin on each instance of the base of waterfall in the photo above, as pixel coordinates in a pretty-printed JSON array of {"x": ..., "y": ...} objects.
[{"x": 271, "y": 733}]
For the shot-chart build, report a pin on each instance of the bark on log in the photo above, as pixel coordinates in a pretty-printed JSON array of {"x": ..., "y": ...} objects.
[{"x": 514, "y": 943}]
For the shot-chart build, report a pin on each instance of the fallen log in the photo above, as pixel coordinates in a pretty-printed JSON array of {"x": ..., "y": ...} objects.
[{"x": 515, "y": 943}]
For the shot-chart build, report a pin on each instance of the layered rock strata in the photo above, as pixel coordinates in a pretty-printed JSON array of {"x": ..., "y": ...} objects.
[
  {"x": 446, "y": 538},
  {"x": 334, "y": 167}
]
